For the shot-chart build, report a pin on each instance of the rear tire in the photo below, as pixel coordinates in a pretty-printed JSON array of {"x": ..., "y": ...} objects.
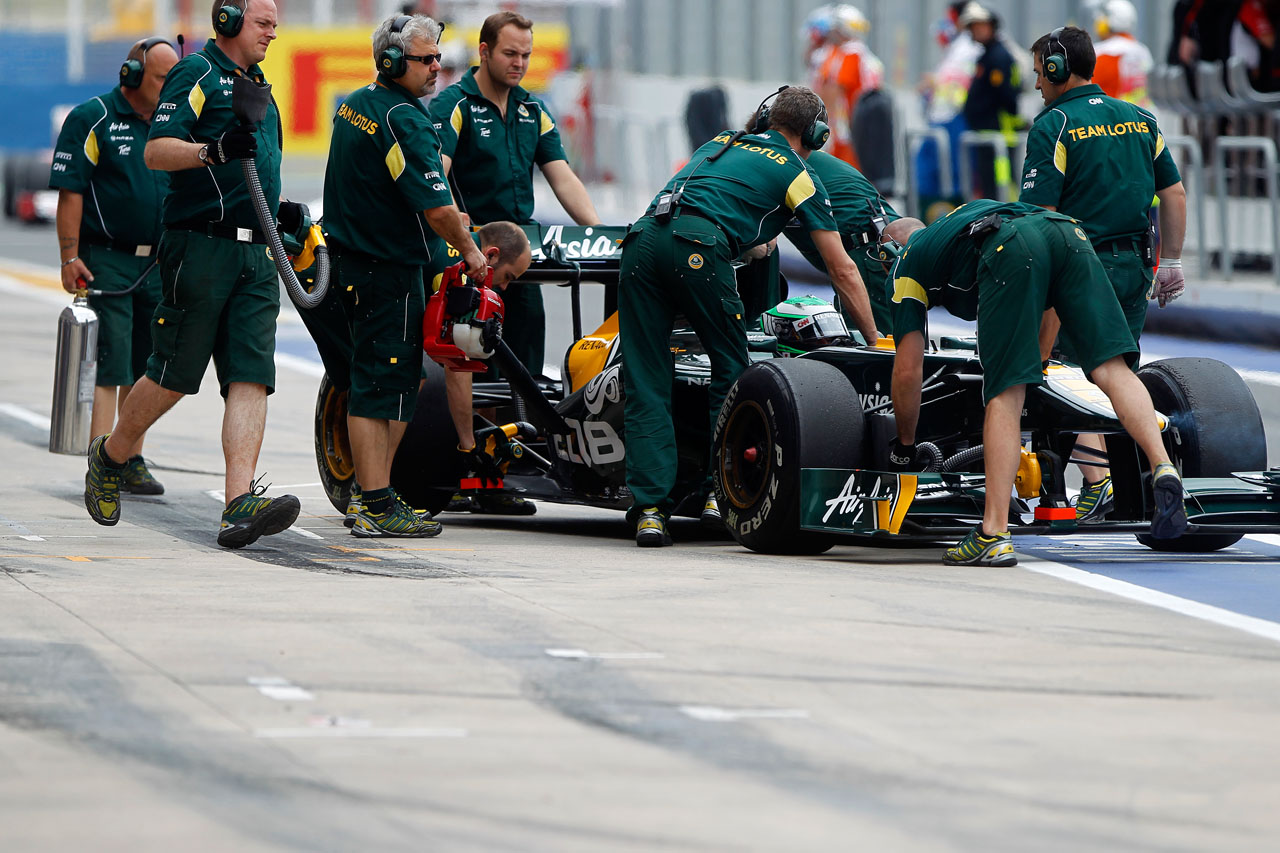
[
  {"x": 428, "y": 465},
  {"x": 334, "y": 459},
  {"x": 1217, "y": 429},
  {"x": 780, "y": 416}
]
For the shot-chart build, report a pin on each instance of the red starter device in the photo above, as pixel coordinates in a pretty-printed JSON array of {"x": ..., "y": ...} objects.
[{"x": 463, "y": 321}]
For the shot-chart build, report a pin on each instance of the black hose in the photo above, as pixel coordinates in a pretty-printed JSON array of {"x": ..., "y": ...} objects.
[
  {"x": 130, "y": 289},
  {"x": 292, "y": 286},
  {"x": 963, "y": 458},
  {"x": 931, "y": 450}
]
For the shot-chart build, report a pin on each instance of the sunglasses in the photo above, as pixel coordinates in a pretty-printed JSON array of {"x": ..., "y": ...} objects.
[{"x": 425, "y": 59}]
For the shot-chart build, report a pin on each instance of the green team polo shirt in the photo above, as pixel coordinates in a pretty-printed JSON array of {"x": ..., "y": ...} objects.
[
  {"x": 493, "y": 157},
  {"x": 940, "y": 267},
  {"x": 384, "y": 169},
  {"x": 99, "y": 155},
  {"x": 195, "y": 105},
  {"x": 753, "y": 190},
  {"x": 854, "y": 201},
  {"x": 1098, "y": 159}
]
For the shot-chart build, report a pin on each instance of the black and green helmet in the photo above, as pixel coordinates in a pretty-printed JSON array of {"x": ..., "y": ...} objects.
[{"x": 804, "y": 323}]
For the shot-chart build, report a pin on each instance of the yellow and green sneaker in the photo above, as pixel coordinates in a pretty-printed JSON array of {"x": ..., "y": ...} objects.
[
  {"x": 102, "y": 486},
  {"x": 355, "y": 505},
  {"x": 978, "y": 549},
  {"x": 651, "y": 529},
  {"x": 1169, "y": 521},
  {"x": 252, "y": 515},
  {"x": 1095, "y": 501},
  {"x": 401, "y": 520},
  {"x": 138, "y": 480}
]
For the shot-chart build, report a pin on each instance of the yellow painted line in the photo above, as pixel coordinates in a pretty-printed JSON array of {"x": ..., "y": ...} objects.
[
  {"x": 75, "y": 558},
  {"x": 37, "y": 280}
]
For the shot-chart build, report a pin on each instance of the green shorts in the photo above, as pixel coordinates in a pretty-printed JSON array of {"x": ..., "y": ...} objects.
[
  {"x": 385, "y": 303},
  {"x": 1033, "y": 263},
  {"x": 124, "y": 322},
  {"x": 1131, "y": 279},
  {"x": 220, "y": 298}
]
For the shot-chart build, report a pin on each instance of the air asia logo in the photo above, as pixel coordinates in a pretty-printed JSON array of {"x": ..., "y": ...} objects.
[
  {"x": 478, "y": 109},
  {"x": 849, "y": 501},
  {"x": 226, "y": 81},
  {"x": 588, "y": 247},
  {"x": 118, "y": 125}
]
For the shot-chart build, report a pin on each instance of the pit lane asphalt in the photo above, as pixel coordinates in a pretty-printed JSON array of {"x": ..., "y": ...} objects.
[{"x": 541, "y": 683}]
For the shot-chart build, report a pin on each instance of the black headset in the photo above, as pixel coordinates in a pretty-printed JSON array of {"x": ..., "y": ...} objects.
[
  {"x": 229, "y": 20},
  {"x": 391, "y": 61},
  {"x": 1057, "y": 70},
  {"x": 813, "y": 137},
  {"x": 131, "y": 70}
]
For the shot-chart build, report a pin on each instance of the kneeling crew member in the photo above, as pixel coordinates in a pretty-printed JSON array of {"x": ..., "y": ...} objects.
[
  {"x": 100, "y": 155},
  {"x": 679, "y": 258},
  {"x": 220, "y": 291},
  {"x": 1002, "y": 264},
  {"x": 387, "y": 205},
  {"x": 1099, "y": 160}
]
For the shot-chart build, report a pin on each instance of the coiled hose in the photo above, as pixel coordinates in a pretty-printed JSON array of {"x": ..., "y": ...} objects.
[
  {"x": 292, "y": 286},
  {"x": 963, "y": 458},
  {"x": 928, "y": 448}
]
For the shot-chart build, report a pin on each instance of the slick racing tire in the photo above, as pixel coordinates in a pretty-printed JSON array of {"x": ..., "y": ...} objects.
[
  {"x": 428, "y": 465},
  {"x": 333, "y": 447},
  {"x": 780, "y": 416},
  {"x": 1216, "y": 429}
]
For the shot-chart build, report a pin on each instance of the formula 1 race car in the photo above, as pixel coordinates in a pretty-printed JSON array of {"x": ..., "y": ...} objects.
[
  {"x": 556, "y": 440},
  {"x": 801, "y": 453}
]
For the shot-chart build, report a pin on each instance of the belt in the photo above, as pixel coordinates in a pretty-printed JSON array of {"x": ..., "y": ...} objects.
[
  {"x": 140, "y": 250},
  {"x": 225, "y": 232},
  {"x": 1116, "y": 244}
]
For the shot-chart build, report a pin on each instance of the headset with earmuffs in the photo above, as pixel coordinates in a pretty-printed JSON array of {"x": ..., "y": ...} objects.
[
  {"x": 1057, "y": 70},
  {"x": 813, "y": 137},
  {"x": 391, "y": 61},
  {"x": 229, "y": 20},
  {"x": 131, "y": 70}
]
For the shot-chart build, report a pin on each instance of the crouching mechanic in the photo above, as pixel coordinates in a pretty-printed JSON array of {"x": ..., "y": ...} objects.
[
  {"x": 220, "y": 294},
  {"x": 679, "y": 258},
  {"x": 1003, "y": 264},
  {"x": 387, "y": 206},
  {"x": 112, "y": 242}
]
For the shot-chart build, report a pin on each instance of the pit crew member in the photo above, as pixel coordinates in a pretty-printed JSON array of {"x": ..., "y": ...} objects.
[
  {"x": 1001, "y": 264},
  {"x": 678, "y": 259}
]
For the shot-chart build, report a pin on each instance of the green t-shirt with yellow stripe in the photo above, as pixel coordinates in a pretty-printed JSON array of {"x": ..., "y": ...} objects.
[
  {"x": 1099, "y": 160},
  {"x": 195, "y": 105},
  {"x": 753, "y": 190},
  {"x": 384, "y": 170}
]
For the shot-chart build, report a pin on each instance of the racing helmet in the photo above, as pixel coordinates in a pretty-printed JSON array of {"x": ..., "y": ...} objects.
[
  {"x": 817, "y": 24},
  {"x": 1116, "y": 16},
  {"x": 804, "y": 323},
  {"x": 849, "y": 22}
]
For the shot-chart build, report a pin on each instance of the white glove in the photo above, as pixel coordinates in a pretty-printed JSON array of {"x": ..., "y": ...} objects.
[{"x": 1169, "y": 281}]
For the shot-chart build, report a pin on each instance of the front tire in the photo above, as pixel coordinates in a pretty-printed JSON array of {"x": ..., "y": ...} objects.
[
  {"x": 780, "y": 416},
  {"x": 1217, "y": 429}
]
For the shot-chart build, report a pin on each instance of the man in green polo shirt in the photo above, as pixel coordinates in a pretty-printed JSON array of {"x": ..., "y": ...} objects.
[
  {"x": 220, "y": 293},
  {"x": 492, "y": 134},
  {"x": 854, "y": 203},
  {"x": 1100, "y": 160},
  {"x": 738, "y": 191},
  {"x": 389, "y": 213},
  {"x": 111, "y": 241},
  {"x": 1002, "y": 264}
]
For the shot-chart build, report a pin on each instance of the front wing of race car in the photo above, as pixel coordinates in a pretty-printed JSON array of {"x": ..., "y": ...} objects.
[{"x": 938, "y": 506}]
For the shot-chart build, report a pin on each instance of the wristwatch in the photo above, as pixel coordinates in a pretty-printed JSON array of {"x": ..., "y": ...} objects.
[{"x": 203, "y": 154}]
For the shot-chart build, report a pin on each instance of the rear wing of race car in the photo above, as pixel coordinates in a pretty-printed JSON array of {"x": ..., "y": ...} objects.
[{"x": 935, "y": 506}]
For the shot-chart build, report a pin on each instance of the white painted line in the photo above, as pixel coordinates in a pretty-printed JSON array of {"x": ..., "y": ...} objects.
[
  {"x": 1265, "y": 538},
  {"x": 1155, "y": 598},
  {"x": 32, "y": 538},
  {"x": 319, "y": 732},
  {"x": 25, "y": 415},
  {"x": 21, "y": 531},
  {"x": 302, "y": 531},
  {"x": 300, "y": 365},
  {"x": 296, "y": 486},
  {"x": 280, "y": 689},
  {"x": 713, "y": 714},
  {"x": 217, "y": 494},
  {"x": 583, "y": 654}
]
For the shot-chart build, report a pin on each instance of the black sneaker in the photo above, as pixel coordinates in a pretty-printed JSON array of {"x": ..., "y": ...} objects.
[
  {"x": 252, "y": 515},
  {"x": 502, "y": 505},
  {"x": 459, "y": 503},
  {"x": 1170, "y": 518},
  {"x": 102, "y": 486},
  {"x": 651, "y": 529},
  {"x": 138, "y": 480}
]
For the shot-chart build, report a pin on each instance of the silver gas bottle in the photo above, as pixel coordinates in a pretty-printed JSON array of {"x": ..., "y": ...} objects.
[{"x": 74, "y": 377}]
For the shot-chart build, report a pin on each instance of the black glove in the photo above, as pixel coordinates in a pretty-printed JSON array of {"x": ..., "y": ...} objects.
[
  {"x": 902, "y": 458},
  {"x": 482, "y": 466},
  {"x": 239, "y": 143}
]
